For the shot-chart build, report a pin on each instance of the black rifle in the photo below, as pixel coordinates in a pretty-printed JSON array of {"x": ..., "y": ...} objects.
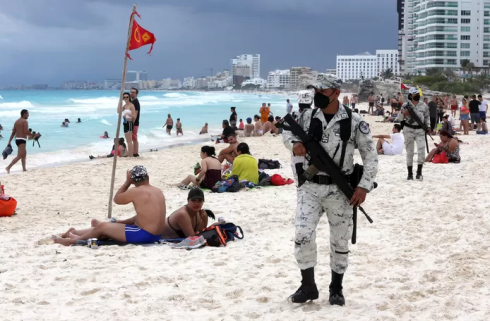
[
  {"x": 415, "y": 117},
  {"x": 322, "y": 161}
]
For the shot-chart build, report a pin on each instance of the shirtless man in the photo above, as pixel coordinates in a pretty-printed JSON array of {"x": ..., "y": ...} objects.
[
  {"x": 400, "y": 101},
  {"x": 371, "y": 103},
  {"x": 21, "y": 132},
  {"x": 268, "y": 125},
  {"x": 258, "y": 130},
  {"x": 204, "y": 129},
  {"x": 178, "y": 125},
  {"x": 353, "y": 101},
  {"x": 230, "y": 152},
  {"x": 189, "y": 219},
  {"x": 169, "y": 124},
  {"x": 145, "y": 227}
]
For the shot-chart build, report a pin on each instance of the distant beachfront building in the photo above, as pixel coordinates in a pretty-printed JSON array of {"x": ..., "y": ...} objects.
[
  {"x": 189, "y": 83},
  {"x": 296, "y": 73},
  {"x": 256, "y": 82},
  {"x": 367, "y": 65},
  {"x": 252, "y": 61},
  {"x": 331, "y": 71},
  {"x": 442, "y": 34},
  {"x": 280, "y": 79},
  {"x": 112, "y": 84},
  {"x": 136, "y": 76},
  {"x": 169, "y": 83}
]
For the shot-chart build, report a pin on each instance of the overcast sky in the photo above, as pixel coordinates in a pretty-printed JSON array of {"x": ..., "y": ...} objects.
[{"x": 49, "y": 41}]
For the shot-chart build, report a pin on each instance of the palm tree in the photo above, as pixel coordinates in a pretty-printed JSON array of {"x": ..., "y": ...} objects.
[{"x": 464, "y": 64}]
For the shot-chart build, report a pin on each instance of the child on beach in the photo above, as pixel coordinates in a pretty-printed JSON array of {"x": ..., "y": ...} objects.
[
  {"x": 241, "y": 126},
  {"x": 178, "y": 125}
]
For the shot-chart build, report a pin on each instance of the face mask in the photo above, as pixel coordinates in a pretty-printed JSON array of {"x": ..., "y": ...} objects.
[
  {"x": 321, "y": 101},
  {"x": 416, "y": 97}
]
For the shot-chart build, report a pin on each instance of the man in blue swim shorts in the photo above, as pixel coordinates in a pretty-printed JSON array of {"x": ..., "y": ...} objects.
[{"x": 145, "y": 227}]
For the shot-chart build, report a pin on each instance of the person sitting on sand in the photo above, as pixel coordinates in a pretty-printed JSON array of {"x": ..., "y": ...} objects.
[
  {"x": 245, "y": 165},
  {"x": 189, "y": 219},
  {"x": 446, "y": 125},
  {"x": 106, "y": 135},
  {"x": 277, "y": 130},
  {"x": 145, "y": 227},
  {"x": 122, "y": 150},
  {"x": 258, "y": 129},
  {"x": 449, "y": 145},
  {"x": 204, "y": 129},
  {"x": 241, "y": 125},
  {"x": 249, "y": 128},
  {"x": 230, "y": 152},
  {"x": 209, "y": 173},
  {"x": 227, "y": 130},
  {"x": 268, "y": 127},
  {"x": 396, "y": 147}
]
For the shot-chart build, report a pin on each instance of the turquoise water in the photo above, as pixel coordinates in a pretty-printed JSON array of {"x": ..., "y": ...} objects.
[{"x": 97, "y": 110}]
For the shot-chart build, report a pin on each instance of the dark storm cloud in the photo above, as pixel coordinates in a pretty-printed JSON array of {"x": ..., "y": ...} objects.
[{"x": 84, "y": 39}]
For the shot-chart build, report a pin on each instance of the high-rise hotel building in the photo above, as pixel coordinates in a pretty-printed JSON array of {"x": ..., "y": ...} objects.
[{"x": 440, "y": 34}]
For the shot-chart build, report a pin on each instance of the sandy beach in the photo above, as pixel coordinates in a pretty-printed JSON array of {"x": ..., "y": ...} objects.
[{"x": 424, "y": 258}]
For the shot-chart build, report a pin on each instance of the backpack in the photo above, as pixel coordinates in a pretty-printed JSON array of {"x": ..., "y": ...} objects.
[
  {"x": 269, "y": 164},
  {"x": 233, "y": 184},
  {"x": 217, "y": 235}
]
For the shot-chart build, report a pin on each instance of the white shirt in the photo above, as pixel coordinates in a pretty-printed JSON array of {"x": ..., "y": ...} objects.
[
  {"x": 398, "y": 141},
  {"x": 484, "y": 105},
  {"x": 451, "y": 120},
  {"x": 289, "y": 108}
]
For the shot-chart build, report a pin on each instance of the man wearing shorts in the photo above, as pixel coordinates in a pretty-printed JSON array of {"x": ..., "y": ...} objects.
[
  {"x": 483, "y": 109},
  {"x": 475, "y": 111},
  {"x": 169, "y": 124},
  {"x": 134, "y": 99},
  {"x": 21, "y": 132},
  {"x": 371, "y": 104},
  {"x": 397, "y": 142},
  {"x": 145, "y": 227},
  {"x": 230, "y": 152}
]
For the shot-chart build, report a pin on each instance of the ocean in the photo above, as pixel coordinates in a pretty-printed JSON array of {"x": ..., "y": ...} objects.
[{"x": 97, "y": 111}]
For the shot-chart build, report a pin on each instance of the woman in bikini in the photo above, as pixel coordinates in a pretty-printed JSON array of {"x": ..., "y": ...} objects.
[
  {"x": 189, "y": 219},
  {"x": 210, "y": 172},
  {"x": 128, "y": 114},
  {"x": 464, "y": 115}
]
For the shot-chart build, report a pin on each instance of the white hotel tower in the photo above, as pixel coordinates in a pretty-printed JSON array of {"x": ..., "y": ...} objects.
[{"x": 441, "y": 34}]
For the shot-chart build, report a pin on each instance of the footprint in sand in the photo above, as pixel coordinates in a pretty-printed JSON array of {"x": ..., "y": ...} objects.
[{"x": 90, "y": 292}]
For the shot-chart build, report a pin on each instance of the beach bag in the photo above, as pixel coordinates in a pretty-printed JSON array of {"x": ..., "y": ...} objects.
[
  {"x": 214, "y": 236},
  {"x": 440, "y": 158},
  {"x": 232, "y": 231},
  {"x": 278, "y": 180},
  {"x": 7, "y": 204},
  {"x": 269, "y": 164},
  {"x": 233, "y": 184}
]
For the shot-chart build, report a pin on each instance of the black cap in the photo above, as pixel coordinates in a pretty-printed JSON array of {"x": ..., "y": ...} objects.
[{"x": 195, "y": 193}]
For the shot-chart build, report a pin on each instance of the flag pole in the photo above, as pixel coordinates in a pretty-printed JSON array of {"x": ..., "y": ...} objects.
[{"x": 119, "y": 111}]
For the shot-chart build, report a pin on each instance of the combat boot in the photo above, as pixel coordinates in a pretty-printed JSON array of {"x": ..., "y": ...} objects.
[
  {"x": 336, "y": 296},
  {"x": 308, "y": 290},
  {"x": 419, "y": 173},
  {"x": 410, "y": 173}
]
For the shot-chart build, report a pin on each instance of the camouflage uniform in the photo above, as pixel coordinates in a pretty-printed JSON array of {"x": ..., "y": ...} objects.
[
  {"x": 415, "y": 135},
  {"x": 315, "y": 199}
]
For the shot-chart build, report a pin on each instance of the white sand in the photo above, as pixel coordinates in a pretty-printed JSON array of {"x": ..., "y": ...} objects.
[{"x": 424, "y": 258}]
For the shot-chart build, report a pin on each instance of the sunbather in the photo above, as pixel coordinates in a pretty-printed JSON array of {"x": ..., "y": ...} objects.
[
  {"x": 229, "y": 153},
  {"x": 145, "y": 227},
  {"x": 209, "y": 173},
  {"x": 189, "y": 219}
]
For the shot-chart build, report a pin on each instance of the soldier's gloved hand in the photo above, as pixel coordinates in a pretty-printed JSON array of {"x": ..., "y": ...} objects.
[
  {"x": 299, "y": 149},
  {"x": 359, "y": 196}
]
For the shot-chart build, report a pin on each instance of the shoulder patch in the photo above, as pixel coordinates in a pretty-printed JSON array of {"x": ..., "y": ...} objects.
[{"x": 364, "y": 127}]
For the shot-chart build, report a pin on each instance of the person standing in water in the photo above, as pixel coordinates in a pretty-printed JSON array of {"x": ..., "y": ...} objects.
[
  {"x": 169, "y": 124},
  {"x": 128, "y": 114},
  {"x": 21, "y": 132}
]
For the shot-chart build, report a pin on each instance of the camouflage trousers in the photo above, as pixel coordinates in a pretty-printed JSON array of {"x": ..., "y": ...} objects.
[
  {"x": 313, "y": 201},
  {"x": 411, "y": 136}
]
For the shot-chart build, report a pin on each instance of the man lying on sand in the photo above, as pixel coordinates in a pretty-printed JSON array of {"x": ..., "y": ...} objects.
[{"x": 145, "y": 227}]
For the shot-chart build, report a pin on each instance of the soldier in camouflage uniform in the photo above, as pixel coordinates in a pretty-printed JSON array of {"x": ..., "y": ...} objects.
[
  {"x": 321, "y": 195},
  {"x": 305, "y": 100},
  {"x": 413, "y": 132}
]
